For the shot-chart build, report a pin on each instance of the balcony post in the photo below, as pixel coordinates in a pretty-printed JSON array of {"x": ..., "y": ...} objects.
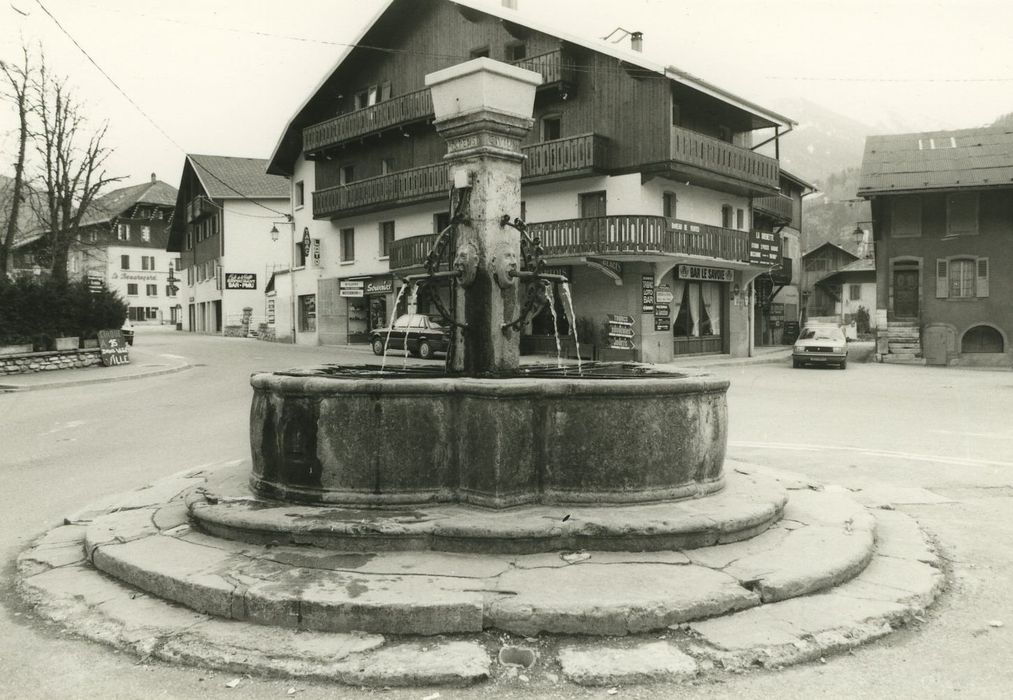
[{"x": 483, "y": 110}]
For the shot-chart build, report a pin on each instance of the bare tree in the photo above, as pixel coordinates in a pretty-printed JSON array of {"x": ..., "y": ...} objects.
[
  {"x": 71, "y": 165},
  {"x": 15, "y": 86}
]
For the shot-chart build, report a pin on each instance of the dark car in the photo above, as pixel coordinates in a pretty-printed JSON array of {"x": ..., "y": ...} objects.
[
  {"x": 424, "y": 336},
  {"x": 820, "y": 345}
]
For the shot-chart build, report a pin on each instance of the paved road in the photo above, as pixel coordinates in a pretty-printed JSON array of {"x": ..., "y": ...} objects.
[{"x": 943, "y": 430}]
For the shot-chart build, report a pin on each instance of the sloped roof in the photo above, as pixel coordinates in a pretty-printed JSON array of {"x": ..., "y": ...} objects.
[
  {"x": 860, "y": 268},
  {"x": 226, "y": 177},
  {"x": 937, "y": 160},
  {"x": 833, "y": 245},
  {"x": 115, "y": 203},
  {"x": 513, "y": 16}
]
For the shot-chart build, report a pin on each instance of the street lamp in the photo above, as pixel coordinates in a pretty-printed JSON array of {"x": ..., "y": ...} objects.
[
  {"x": 860, "y": 241},
  {"x": 291, "y": 264}
]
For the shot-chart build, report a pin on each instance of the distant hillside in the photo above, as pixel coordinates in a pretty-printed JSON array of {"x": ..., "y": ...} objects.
[
  {"x": 824, "y": 142},
  {"x": 833, "y": 213}
]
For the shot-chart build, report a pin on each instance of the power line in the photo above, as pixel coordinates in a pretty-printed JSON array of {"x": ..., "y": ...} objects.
[{"x": 145, "y": 114}]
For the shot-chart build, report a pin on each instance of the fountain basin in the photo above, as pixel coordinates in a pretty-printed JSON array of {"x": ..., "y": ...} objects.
[{"x": 361, "y": 438}]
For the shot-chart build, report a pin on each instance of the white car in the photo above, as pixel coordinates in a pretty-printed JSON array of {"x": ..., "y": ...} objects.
[{"x": 820, "y": 345}]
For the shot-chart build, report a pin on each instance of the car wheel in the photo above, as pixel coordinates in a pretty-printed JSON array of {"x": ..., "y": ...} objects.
[
  {"x": 844, "y": 365},
  {"x": 378, "y": 346},
  {"x": 795, "y": 364},
  {"x": 425, "y": 350}
]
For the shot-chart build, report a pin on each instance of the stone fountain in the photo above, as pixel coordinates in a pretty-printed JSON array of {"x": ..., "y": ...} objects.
[{"x": 486, "y": 433}]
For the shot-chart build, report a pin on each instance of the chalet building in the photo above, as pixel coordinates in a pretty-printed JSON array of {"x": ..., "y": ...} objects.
[
  {"x": 852, "y": 291},
  {"x": 819, "y": 300},
  {"x": 221, "y": 232},
  {"x": 778, "y": 290},
  {"x": 640, "y": 180},
  {"x": 942, "y": 209},
  {"x": 121, "y": 243}
]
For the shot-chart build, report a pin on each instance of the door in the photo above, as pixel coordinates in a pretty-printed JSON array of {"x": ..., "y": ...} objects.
[
  {"x": 905, "y": 293},
  {"x": 595, "y": 228}
]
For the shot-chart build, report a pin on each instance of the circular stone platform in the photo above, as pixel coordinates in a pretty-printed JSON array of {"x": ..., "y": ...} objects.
[{"x": 747, "y": 506}]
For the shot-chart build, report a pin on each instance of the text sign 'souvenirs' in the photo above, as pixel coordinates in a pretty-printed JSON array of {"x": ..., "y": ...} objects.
[{"x": 113, "y": 348}]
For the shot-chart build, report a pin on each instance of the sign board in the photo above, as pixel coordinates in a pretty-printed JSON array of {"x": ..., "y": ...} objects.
[
  {"x": 647, "y": 293},
  {"x": 564, "y": 270},
  {"x": 113, "y": 348},
  {"x": 351, "y": 288},
  {"x": 610, "y": 268},
  {"x": 95, "y": 284},
  {"x": 709, "y": 274},
  {"x": 662, "y": 323},
  {"x": 240, "y": 280},
  {"x": 621, "y": 332},
  {"x": 663, "y": 294},
  {"x": 662, "y": 310},
  {"x": 764, "y": 248},
  {"x": 777, "y": 311},
  {"x": 307, "y": 242},
  {"x": 316, "y": 252},
  {"x": 270, "y": 310},
  {"x": 379, "y": 285}
]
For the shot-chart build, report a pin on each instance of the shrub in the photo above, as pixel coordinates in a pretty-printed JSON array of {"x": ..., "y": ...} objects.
[
  {"x": 37, "y": 312},
  {"x": 862, "y": 320}
]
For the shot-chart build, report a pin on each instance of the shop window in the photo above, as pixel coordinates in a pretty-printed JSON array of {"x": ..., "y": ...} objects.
[
  {"x": 347, "y": 245},
  {"x": 151, "y": 290},
  {"x": 308, "y": 313},
  {"x": 726, "y": 216},
  {"x": 131, "y": 290},
  {"x": 854, "y": 292},
  {"x": 696, "y": 310},
  {"x": 962, "y": 214},
  {"x": 124, "y": 262},
  {"x": 982, "y": 339},
  {"x": 300, "y": 194},
  {"x": 907, "y": 217},
  {"x": 552, "y": 127},
  {"x": 386, "y": 238},
  {"x": 668, "y": 205}
]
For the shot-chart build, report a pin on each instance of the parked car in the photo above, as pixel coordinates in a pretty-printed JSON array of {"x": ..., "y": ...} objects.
[
  {"x": 127, "y": 329},
  {"x": 820, "y": 345},
  {"x": 424, "y": 336}
]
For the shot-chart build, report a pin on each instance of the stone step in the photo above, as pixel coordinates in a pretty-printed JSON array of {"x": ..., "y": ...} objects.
[
  {"x": 906, "y": 358},
  {"x": 902, "y": 348},
  {"x": 901, "y": 579},
  {"x": 903, "y": 324},
  {"x": 747, "y": 506}
]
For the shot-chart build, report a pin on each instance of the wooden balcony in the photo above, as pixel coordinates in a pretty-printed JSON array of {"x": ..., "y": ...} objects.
[
  {"x": 778, "y": 207},
  {"x": 707, "y": 158},
  {"x": 411, "y": 252},
  {"x": 556, "y": 68},
  {"x": 570, "y": 157},
  {"x": 404, "y": 187}
]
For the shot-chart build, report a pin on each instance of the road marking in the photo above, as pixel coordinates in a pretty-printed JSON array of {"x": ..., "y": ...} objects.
[
  {"x": 69, "y": 425},
  {"x": 990, "y": 436},
  {"x": 872, "y": 453},
  {"x": 169, "y": 354}
]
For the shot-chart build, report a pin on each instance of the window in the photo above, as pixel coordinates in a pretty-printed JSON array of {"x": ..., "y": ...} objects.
[
  {"x": 516, "y": 52},
  {"x": 124, "y": 262},
  {"x": 189, "y": 276},
  {"x": 147, "y": 262},
  {"x": 169, "y": 291},
  {"x": 854, "y": 292},
  {"x": 189, "y": 240},
  {"x": 386, "y": 166},
  {"x": 151, "y": 290},
  {"x": 146, "y": 234},
  {"x": 668, "y": 205},
  {"x": 151, "y": 313},
  {"x": 178, "y": 264},
  {"x": 385, "y": 92},
  {"x": 962, "y": 214},
  {"x": 123, "y": 232},
  {"x": 131, "y": 290},
  {"x": 982, "y": 339},
  {"x": 696, "y": 309},
  {"x": 552, "y": 128},
  {"x": 907, "y": 217},
  {"x": 92, "y": 236},
  {"x": 158, "y": 214},
  {"x": 308, "y": 312},
  {"x": 524, "y": 210},
  {"x": 726, "y": 216},
  {"x": 441, "y": 220},
  {"x": 347, "y": 245},
  {"x": 300, "y": 194},
  {"x": 961, "y": 278},
  {"x": 346, "y": 174},
  {"x": 367, "y": 97},
  {"x": 386, "y": 238},
  {"x": 740, "y": 219},
  {"x": 482, "y": 52}
]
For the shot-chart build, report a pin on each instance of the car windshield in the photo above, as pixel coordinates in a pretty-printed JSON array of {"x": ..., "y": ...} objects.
[
  {"x": 821, "y": 334},
  {"x": 413, "y": 321}
]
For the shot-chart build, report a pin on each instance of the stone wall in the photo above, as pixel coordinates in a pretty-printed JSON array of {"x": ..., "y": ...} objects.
[{"x": 47, "y": 361}]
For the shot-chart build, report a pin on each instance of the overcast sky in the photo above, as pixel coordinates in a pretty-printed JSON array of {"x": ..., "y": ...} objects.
[{"x": 224, "y": 76}]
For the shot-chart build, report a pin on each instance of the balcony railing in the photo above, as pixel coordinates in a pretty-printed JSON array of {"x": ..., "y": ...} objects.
[
  {"x": 198, "y": 207},
  {"x": 411, "y": 251},
  {"x": 778, "y": 206},
  {"x": 584, "y": 153},
  {"x": 714, "y": 155},
  {"x": 554, "y": 66},
  {"x": 403, "y": 109},
  {"x": 404, "y": 187}
]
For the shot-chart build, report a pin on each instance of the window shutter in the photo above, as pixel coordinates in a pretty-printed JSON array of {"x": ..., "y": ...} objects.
[
  {"x": 981, "y": 290},
  {"x": 942, "y": 279}
]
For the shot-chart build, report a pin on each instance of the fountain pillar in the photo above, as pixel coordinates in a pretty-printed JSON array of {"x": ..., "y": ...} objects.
[{"x": 483, "y": 110}]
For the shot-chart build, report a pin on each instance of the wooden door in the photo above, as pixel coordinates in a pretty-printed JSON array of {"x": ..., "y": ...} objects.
[
  {"x": 905, "y": 293},
  {"x": 592, "y": 209}
]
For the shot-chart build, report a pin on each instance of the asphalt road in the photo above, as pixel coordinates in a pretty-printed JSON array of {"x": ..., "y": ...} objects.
[{"x": 946, "y": 431}]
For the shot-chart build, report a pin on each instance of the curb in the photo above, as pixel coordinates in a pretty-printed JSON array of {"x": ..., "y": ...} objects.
[{"x": 11, "y": 388}]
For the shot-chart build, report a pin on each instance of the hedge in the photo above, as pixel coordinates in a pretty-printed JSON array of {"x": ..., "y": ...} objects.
[{"x": 38, "y": 311}]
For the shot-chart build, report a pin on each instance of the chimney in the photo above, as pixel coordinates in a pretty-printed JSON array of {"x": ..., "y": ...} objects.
[
  {"x": 153, "y": 177},
  {"x": 510, "y": 4},
  {"x": 637, "y": 41}
]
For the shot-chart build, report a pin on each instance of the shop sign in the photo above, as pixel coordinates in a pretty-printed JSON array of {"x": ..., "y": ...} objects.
[
  {"x": 306, "y": 242},
  {"x": 610, "y": 268},
  {"x": 662, "y": 310},
  {"x": 563, "y": 270},
  {"x": 240, "y": 280},
  {"x": 316, "y": 252},
  {"x": 379, "y": 285},
  {"x": 351, "y": 288},
  {"x": 764, "y": 248},
  {"x": 95, "y": 284},
  {"x": 711, "y": 274},
  {"x": 113, "y": 350},
  {"x": 663, "y": 294},
  {"x": 777, "y": 311},
  {"x": 270, "y": 310},
  {"x": 620, "y": 332},
  {"x": 662, "y": 323},
  {"x": 647, "y": 293},
  {"x": 135, "y": 276}
]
